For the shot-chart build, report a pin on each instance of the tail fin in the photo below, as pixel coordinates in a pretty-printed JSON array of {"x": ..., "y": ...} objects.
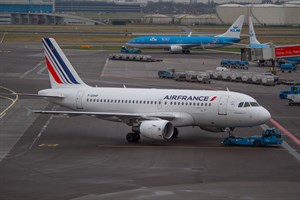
[
  {"x": 61, "y": 71},
  {"x": 252, "y": 36},
  {"x": 235, "y": 29}
]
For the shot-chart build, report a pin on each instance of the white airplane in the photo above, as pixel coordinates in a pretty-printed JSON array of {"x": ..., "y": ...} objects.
[{"x": 152, "y": 113}]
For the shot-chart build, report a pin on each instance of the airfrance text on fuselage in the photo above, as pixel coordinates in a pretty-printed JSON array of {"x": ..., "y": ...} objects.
[{"x": 186, "y": 98}]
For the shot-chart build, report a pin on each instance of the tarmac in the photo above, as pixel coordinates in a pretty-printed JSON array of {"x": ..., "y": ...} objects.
[{"x": 83, "y": 158}]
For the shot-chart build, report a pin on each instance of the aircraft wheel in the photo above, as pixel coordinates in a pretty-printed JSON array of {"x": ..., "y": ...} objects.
[
  {"x": 226, "y": 142},
  {"x": 175, "y": 133},
  {"x": 132, "y": 137},
  {"x": 256, "y": 143}
]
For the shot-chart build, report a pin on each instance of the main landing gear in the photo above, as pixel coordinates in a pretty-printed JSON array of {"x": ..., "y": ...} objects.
[
  {"x": 186, "y": 51},
  {"x": 133, "y": 137},
  {"x": 175, "y": 133}
]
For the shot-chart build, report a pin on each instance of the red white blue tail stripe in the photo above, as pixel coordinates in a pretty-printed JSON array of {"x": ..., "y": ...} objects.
[{"x": 57, "y": 65}]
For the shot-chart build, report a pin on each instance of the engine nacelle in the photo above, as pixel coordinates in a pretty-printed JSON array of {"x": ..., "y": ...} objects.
[
  {"x": 176, "y": 49},
  {"x": 157, "y": 129},
  {"x": 212, "y": 129}
]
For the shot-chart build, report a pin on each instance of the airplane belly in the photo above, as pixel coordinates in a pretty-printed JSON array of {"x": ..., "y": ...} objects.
[{"x": 183, "y": 119}]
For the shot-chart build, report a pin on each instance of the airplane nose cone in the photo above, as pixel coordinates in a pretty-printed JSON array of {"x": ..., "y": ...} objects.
[{"x": 265, "y": 115}]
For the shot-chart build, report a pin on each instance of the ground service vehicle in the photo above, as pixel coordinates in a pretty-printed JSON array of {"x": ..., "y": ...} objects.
[
  {"x": 239, "y": 64},
  {"x": 168, "y": 73},
  {"x": 287, "y": 67},
  {"x": 271, "y": 136},
  {"x": 294, "y": 99},
  {"x": 127, "y": 50},
  {"x": 293, "y": 90}
]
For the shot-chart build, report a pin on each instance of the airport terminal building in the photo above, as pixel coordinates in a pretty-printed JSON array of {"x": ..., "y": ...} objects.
[
  {"x": 32, "y": 6},
  {"x": 37, "y": 12}
]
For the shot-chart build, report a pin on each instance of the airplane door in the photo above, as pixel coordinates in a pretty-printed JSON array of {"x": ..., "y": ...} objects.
[
  {"x": 222, "y": 110},
  {"x": 79, "y": 99}
]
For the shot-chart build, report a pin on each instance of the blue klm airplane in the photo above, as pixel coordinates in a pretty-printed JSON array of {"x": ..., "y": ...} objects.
[
  {"x": 183, "y": 44},
  {"x": 254, "y": 43}
]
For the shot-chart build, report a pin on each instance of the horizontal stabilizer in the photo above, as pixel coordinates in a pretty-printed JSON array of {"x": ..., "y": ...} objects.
[{"x": 40, "y": 95}]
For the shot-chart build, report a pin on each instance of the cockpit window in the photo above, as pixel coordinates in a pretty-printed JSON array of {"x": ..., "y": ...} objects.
[
  {"x": 241, "y": 104},
  {"x": 254, "y": 104},
  {"x": 247, "y": 104}
]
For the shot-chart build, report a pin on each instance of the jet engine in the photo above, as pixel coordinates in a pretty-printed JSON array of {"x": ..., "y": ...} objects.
[
  {"x": 176, "y": 49},
  {"x": 157, "y": 129}
]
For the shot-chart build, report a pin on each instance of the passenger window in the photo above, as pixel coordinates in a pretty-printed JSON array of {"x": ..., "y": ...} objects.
[
  {"x": 205, "y": 104},
  {"x": 165, "y": 103},
  {"x": 171, "y": 103},
  {"x": 241, "y": 104},
  {"x": 247, "y": 104}
]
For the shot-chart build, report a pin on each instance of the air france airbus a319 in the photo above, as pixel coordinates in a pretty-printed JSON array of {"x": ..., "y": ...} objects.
[
  {"x": 152, "y": 113},
  {"x": 183, "y": 44}
]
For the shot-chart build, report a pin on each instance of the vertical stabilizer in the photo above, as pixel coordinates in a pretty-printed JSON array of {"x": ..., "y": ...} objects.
[
  {"x": 61, "y": 71},
  {"x": 235, "y": 29},
  {"x": 252, "y": 36}
]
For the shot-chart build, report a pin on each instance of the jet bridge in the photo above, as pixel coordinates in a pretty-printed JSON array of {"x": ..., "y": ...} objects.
[{"x": 270, "y": 53}]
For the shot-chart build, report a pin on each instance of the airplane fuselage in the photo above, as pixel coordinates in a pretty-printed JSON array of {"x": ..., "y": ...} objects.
[
  {"x": 183, "y": 41},
  {"x": 191, "y": 107}
]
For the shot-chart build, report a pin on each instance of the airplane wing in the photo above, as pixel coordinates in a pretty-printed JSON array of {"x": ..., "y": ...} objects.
[{"x": 112, "y": 116}]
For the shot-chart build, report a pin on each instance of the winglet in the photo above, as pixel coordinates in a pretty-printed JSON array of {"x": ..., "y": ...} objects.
[{"x": 190, "y": 34}]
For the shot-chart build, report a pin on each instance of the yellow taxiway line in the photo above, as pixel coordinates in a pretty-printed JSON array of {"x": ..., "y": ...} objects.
[{"x": 3, "y": 113}]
